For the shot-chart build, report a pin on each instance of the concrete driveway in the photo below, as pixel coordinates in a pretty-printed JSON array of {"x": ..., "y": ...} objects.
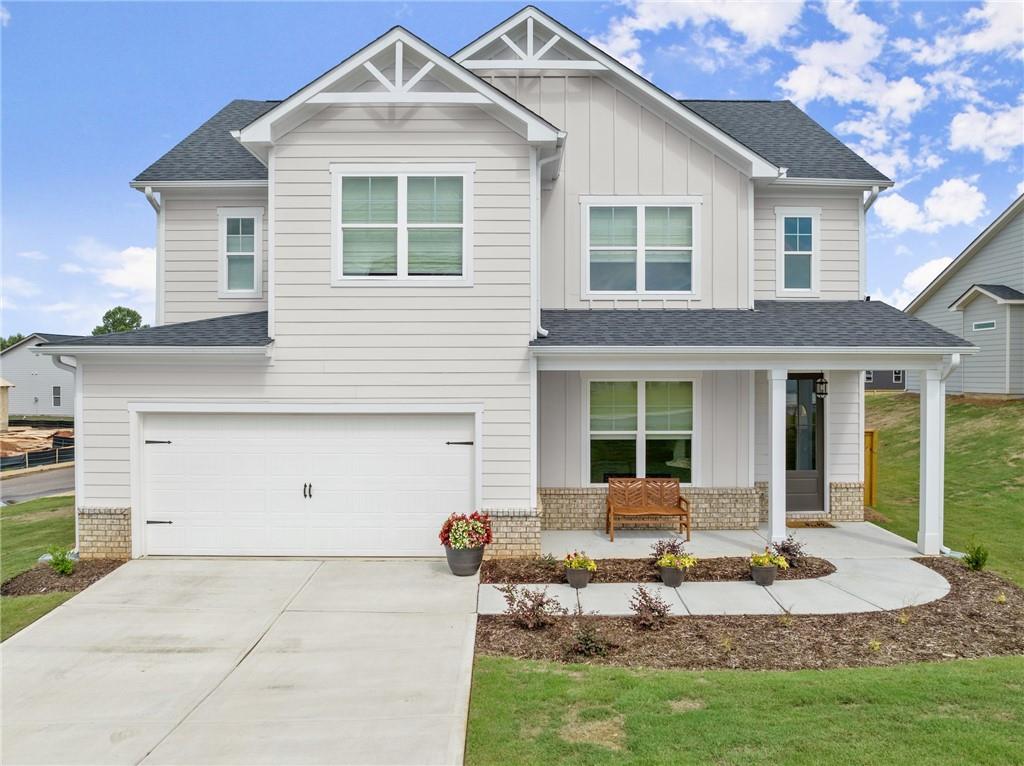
[{"x": 218, "y": 661}]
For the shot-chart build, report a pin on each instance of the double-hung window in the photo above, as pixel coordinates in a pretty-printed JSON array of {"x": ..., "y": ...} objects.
[
  {"x": 56, "y": 396},
  {"x": 410, "y": 224},
  {"x": 640, "y": 428},
  {"x": 797, "y": 235},
  {"x": 241, "y": 262},
  {"x": 637, "y": 246}
]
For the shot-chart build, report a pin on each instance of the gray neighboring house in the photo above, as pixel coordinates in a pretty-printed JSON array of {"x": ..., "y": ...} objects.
[
  {"x": 426, "y": 283},
  {"x": 38, "y": 386},
  {"x": 885, "y": 380},
  {"x": 980, "y": 297}
]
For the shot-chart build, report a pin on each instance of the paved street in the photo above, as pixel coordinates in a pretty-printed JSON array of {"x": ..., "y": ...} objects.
[{"x": 59, "y": 481}]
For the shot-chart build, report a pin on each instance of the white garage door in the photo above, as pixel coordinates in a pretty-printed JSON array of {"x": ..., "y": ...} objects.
[{"x": 303, "y": 485}]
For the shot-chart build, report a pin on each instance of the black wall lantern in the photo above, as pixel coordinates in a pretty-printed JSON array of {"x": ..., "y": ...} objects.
[{"x": 821, "y": 388}]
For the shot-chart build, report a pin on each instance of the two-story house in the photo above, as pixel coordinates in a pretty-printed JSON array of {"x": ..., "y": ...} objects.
[{"x": 425, "y": 283}]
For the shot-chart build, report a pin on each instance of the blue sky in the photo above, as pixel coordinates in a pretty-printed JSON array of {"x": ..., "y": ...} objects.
[{"x": 93, "y": 92}]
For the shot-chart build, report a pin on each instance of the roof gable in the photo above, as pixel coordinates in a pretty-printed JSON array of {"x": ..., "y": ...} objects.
[
  {"x": 39, "y": 337},
  {"x": 523, "y": 43},
  {"x": 396, "y": 68},
  {"x": 1001, "y": 294}
]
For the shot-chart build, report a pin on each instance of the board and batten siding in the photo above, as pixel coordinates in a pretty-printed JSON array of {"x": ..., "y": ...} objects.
[
  {"x": 191, "y": 249},
  {"x": 616, "y": 147},
  {"x": 33, "y": 377},
  {"x": 722, "y": 436},
  {"x": 369, "y": 344},
  {"x": 1000, "y": 261},
  {"x": 838, "y": 246}
]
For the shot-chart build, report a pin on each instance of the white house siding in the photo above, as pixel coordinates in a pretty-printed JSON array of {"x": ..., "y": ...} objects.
[
  {"x": 838, "y": 246},
  {"x": 34, "y": 377},
  {"x": 844, "y": 424},
  {"x": 191, "y": 250},
  {"x": 723, "y": 436},
  {"x": 616, "y": 147},
  {"x": 1016, "y": 324},
  {"x": 1000, "y": 261}
]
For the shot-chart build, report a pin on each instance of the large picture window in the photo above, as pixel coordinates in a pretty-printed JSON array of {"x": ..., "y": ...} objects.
[
  {"x": 412, "y": 225},
  {"x": 798, "y": 232},
  {"x": 640, "y": 428},
  {"x": 640, "y": 245},
  {"x": 241, "y": 261}
]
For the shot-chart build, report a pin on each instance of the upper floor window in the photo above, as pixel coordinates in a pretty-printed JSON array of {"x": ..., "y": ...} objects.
[
  {"x": 241, "y": 262},
  {"x": 797, "y": 244},
  {"x": 988, "y": 324},
  {"x": 56, "y": 396},
  {"x": 409, "y": 224},
  {"x": 645, "y": 245}
]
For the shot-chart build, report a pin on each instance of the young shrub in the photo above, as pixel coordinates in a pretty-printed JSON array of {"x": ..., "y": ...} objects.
[
  {"x": 61, "y": 561},
  {"x": 579, "y": 560},
  {"x": 903, "y": 618},
  {"x": 670, "y": 545},
  {"x": 791, "y": 549},
  {"x": 975, "y": 557},
  {"x": 530, "y": 609},
  {"x": 650, "y": 611},
  {"x": 874, "y": 645},
  {"x": 585, "y": 640},
  {"x": 1000, "y": 598}
]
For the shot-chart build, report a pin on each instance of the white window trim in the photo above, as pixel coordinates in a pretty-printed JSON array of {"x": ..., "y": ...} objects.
[
  {"x": 641, "y": 432},
  {"x": 223, "y": 214},
  {"x": 56, "y": 396},
  {"x": 781, "y": 214},
  {"x": 975, "y": 328},
  {"x": 869, "y": 376},
  {"x": 897, "y": 376},
  {"x": 589, "y": 201},
  {"x": 465, "y": 170}
]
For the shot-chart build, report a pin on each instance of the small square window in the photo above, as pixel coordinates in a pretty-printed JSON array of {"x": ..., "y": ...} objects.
[{"x": 897, "y": 376}]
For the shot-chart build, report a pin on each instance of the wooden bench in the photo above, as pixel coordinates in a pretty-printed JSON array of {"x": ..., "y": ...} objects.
[{"x": 656, "y": 499}]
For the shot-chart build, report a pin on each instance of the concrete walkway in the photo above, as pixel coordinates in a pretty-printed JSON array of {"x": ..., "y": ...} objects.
[
  {"x": 873, "y": 572},
  {"x": 227, "y": 661}
]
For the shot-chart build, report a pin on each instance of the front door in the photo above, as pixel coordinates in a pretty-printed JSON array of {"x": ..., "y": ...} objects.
[{"x": 805, "y": 445}]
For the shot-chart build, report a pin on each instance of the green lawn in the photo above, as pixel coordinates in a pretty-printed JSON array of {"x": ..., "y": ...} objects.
[
  {"x": 26, "y": 531},
  {"x": 984, "y": 474},
  {"x": 971, "y": 711}
]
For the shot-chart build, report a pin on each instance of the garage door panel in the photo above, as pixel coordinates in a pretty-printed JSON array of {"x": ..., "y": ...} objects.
[{"x": 233, "y": 484}]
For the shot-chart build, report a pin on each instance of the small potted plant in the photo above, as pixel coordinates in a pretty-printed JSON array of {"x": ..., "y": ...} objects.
[
  {"x": 673, "y": 568},
  {"x": 464, "y": 538},
  {"x": 764, "y": 566},
  {"x": 579, "y": 568}
]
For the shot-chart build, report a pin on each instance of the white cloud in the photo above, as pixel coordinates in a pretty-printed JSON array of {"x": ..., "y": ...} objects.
[
  {"x": 70, "y": 268},
  {"x": 5, "y": 16},
  {"x": 998, "y": 27},
  {"x": 132, "y": 269},
  {"x": 32, "y": 255},
  {"x": 954, "y": 201},
  {"x": 12, "y": 285},
  {"x": 913, "y": 283},
  {"x": 759, "y": 24},
  {"x": 995, "y": 134}
]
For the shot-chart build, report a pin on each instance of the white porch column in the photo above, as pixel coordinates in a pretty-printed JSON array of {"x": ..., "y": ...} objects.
[
  {"x": 933, "y": 456},
  {"x": 777, "y": 453}
]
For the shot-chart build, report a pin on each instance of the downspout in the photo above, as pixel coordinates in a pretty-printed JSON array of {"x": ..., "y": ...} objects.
[
  {"x": 535, "y": 239},
  {"x": 152, "y": 199},
  {"x": 947, "y": 370},
  {"x": 78, "y": 420},
  {"x": 871, "y": 198}
]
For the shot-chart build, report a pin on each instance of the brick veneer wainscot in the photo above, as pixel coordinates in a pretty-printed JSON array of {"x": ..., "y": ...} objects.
[
  {"x": 516, "y": 534},
  {"x": 104, "y": 533}
]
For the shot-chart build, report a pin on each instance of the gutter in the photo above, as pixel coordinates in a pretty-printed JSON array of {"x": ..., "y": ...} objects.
[
  {"x": 148, "y": 191},
  {"x": 871, "y": 198},
  {"x": 58, "y": 351}
]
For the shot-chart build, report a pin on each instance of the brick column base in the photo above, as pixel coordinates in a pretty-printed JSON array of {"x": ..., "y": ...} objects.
[
  {"x": 516, "y": 535},
  {"x": 845, "y": 499},
  {"x": 105, "y": 533}
]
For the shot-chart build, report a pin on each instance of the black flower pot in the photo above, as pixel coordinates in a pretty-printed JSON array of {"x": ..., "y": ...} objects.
[
  {"x": 673, "y": 577},
  {"x": 764, "y": 575},
  {"x": 464, "y": 562},
  {"x": 578, "y": 578}
]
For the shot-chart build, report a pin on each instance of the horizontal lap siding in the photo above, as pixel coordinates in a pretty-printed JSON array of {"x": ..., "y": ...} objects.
[
  {"x": 616, "y": 147},
  {"x": 838, "y": 245},
  {"x": 191, "y": 250}
]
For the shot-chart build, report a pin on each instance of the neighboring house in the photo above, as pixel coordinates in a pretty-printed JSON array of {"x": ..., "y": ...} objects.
[
  {"x": 5, "y": 393},
  {"x": 38, "y": 386},
  {"x": 885, "y": 380},
  {"x": 980, "y": 297},
  {"x": 424, "y": 284}
]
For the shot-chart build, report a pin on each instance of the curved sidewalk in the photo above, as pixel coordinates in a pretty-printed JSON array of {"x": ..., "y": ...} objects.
[{"x": 857, "y": 585}]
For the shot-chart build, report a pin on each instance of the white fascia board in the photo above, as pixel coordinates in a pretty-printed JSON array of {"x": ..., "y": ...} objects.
[
  {"x": 759, "y": 166},
  {"x": 772, "y": 350},
  {"x": 260, "y": 131},
  {"x": 151, "y": 351},
  {"x": 253, "y": 183},
  {"x": 851, "y": 184}
]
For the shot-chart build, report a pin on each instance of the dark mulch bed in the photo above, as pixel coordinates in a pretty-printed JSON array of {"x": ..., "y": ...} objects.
[
  {"x": 726, "y": 568},
  {"x": 983, "y": 615},
  {"x": 42, "y": 578}
]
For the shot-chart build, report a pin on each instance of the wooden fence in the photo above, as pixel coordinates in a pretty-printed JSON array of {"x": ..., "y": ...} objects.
[{"x": 871, "y": 445}]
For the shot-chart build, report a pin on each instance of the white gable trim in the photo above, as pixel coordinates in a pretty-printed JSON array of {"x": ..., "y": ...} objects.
[
  {"x": 262, "y": 132},
  {"x": 974, "y": 291},
  {"x": 759, "y": 167},
  {"x": 979, "y": 242}
]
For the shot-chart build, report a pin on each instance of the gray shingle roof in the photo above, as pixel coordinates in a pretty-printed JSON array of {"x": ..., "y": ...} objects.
[
  {"x": 233, "y": 330},
  {"x": 209, "y": 153},
  {"x": 1004, "y": 291},
  {"x": 786, "y": 136},
  {"x": 50, "y": 337},
  {"x": 833, "y": 324}
]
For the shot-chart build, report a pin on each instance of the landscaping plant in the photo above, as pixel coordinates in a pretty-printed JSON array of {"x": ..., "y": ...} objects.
[
  {"x": 61, "y": 561},
  {"x": 461, "y": 531},
  {"x": 530, "y": 609},
  {"x": 668, "y": 545},
  {"x": 579, "y": 560},
  {"x": 768, "y": 559},
  {"x": 674, "y": 561},
  {"x": 650, "y": 611},
  {"x": 975, "y": 557},
  {"x": 585, "y": 640},
  {"x": 791, "y": 549}
]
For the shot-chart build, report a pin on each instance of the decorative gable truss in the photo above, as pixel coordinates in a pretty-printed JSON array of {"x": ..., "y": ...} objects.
[
  {"x": 525, "y": 42},
  {"x": 396, "y": 69}
]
